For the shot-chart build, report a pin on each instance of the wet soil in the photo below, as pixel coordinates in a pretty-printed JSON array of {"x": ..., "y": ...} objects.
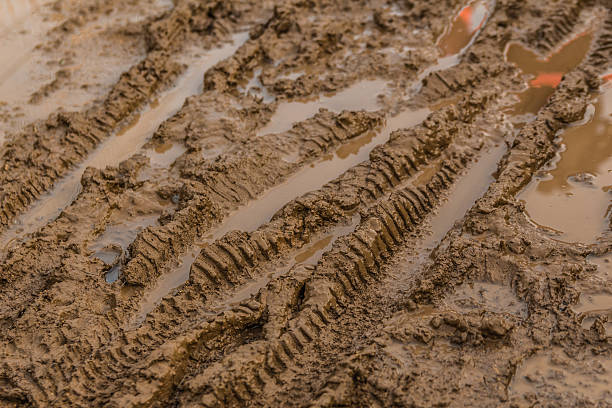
[{"x": 322, "y": 203}]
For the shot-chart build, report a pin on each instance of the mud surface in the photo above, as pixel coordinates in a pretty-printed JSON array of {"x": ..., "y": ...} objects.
[{"x": 305, "y": 203}]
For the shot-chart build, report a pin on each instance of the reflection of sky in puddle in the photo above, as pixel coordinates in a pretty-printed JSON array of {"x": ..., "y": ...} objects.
[
  {"x": 360, "y": 96},
  {"x": 464, "y": 26},
  {"x": 573, "y": 196},
  {"x": 458, "y": 37},
  {"x": 544, "y": 73}
]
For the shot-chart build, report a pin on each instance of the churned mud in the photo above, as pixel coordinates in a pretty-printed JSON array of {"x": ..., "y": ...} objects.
[{"x": 305, "y": 203}]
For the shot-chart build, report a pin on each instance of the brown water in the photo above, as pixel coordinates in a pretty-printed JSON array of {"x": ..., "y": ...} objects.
[
  {"x": 308, "y": 256},
  {"x": 490, "y": 296},
  {"x": 260, "y": 211},
  {"x": 464, "y": 27},
  {"x": 123, "y": 145},
  {"x": 544, "y": 73},
  {"x": 360, "y": 96},
  {"x": 548, "y": 372},
  {"x": 458, "y": 36},
  {"x": 573, "y": 197},
  {"x": 114, "y": 242}
]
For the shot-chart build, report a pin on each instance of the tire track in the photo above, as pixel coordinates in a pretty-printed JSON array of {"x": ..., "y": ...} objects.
[{"x": 32, "y": 162}]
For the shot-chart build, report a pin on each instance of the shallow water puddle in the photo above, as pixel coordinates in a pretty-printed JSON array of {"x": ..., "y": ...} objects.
[
  {"x": 21, "y": 27},
  {"x": 553, "y": 372},
  {"x": 257, "y": 213},
  {"x": 163, "y": 156},
  {"x": 458, "y": 37},
  {"x": 544, "y": 72},
  {"x": 112, "y": 245},
  {"x": 462, "y": 31},
  {"x": 468, "y": 188},
  {"x": 123, "y": 145},
  {"x": 313, "y": 177},
  {"x": 256, "y": 88},
  {"x": 360, "y": 96},
  {"x": 573, "y": 197}
]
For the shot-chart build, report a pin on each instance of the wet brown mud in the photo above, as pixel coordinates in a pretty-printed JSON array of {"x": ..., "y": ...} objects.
[
  {"x": 126, "y": 142},
  {"x": 322, "y": 203}
]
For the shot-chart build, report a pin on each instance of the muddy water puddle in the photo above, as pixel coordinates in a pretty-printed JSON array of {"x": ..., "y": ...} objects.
[
  {"x": 553, "y": 373},
  {"x": 112, "y": 245},
  {"x": 468, "y": 188},
  {"x": 124, "y": 144},
  {"x": 458, "y": 36},
  {"x": 544, "y": 73},
  {"x": 309, "y": 255},
  {"x": 363, "y": 95},
  {"x": 572, "y": 197},
  {"x": 313, "y": 177}
]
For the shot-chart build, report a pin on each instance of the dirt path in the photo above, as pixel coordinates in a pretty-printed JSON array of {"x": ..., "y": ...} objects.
[{"x": 306, "y": 203}]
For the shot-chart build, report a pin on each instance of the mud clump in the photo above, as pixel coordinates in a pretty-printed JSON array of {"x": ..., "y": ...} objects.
[{"x": 322, "y": 203}]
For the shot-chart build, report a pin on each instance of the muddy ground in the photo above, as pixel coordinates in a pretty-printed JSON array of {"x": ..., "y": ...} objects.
[{"x": 305, "y": 203}]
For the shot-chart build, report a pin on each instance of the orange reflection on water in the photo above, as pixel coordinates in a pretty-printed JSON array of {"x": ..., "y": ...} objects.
[
  {"x": 545, "y": 72},
  {"x": 470, "y": 19}
]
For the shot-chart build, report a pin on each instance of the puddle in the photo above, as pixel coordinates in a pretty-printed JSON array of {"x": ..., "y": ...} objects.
[
  {"x": 549, "y": 373},
  {"x": 21, "y": 28},
  {"x": 463, "y": 29},
  {"x": 165, "y": 285},
  {"x": 360, "y": 96},
  {"x": 544, "y": 73},
  {"x": 178, "y": 276},
  {"x": 256, "y": 88},
  {"x": 594, "y": 303},
  {"x": 123, "y": 145},
  {"x": 251, "y": 216},
  {"x": 482, "y": 295},
  {"x": 573, "y": 195},
  {"x": 468, "y": 188},
  {"x": 458, "y": 37},
  {"x": 164, "y": 156},
  {"x": 604, "y": 266},
  {"x": 114, "y": 242}
]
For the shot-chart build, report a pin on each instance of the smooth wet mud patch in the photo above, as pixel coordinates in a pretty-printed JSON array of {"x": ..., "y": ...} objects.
[
  {"x": 553, "y": 375},
  {"x": 572, "y": 196},
  {"x": 493, "y": 297},
  {"x": 363, "y": 95},
  {"x": 543, "y": 73}
]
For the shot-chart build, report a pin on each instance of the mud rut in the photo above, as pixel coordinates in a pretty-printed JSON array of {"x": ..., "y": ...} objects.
[{"x": 372, "y": 251}]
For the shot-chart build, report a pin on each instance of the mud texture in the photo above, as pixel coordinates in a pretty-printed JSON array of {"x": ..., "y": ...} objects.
[{"x": 306, "y": 203}]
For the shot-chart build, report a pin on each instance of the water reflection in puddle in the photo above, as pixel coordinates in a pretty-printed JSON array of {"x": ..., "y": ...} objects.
[
  {"x": 458, "y": 37},
  {"x": 551, "y": 372},
  {"x": 544, "y": 73},
  {"x": 123, "y": 145},
  {"x": 313, "y": 177},
  {"x": 112, "y": 245},
  {"x": 360, "y": 96},
  {"x": 573, "y": 197}
]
